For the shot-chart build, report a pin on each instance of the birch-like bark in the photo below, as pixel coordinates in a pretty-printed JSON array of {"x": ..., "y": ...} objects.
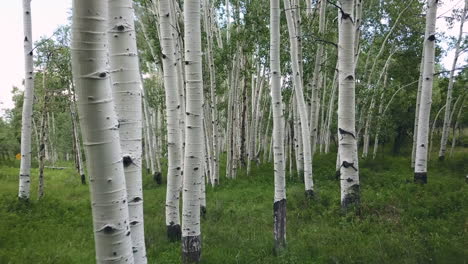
[
  {"x": 43, "y": 135},
  {"x": 301, "y": 106},
  {"x": 193, "y": 164},
  {"x": 297, "y": 139},
  {"x": 126, "y": 92},
  {"x": 314, "y": 108},
  {"x": 349, "y": 175},
  {"x": 213, "y": 99},
  {"x": 380, "y": 117},
  {"x": 331, "y": 109},
  {"x": 100, "y": 129},
  {"x": 416, "y": 112},
  {"x": 455, "y": 126},
  {"x": 148, "y": 138},
  {"x": 174, "y": 147},
  {"x": 279, "y": 205},
  {"x": 370, "y": 112},
  {"x": 76, "y": 134},
  {"x": 446, "y": 126},
  {"x": 420, "y": 170},
  {"x": 434, "y": 123},
  {"x": 27, "y": 112}
]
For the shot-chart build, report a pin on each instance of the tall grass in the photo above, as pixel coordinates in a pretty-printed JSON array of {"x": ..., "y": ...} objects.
[{"x": 399, "y": 222}]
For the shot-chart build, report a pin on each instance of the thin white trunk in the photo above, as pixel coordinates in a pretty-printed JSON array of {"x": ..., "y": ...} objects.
[
  {"x": 27, "y": 112},
  {"x": 148, "y": 138},
  {"x": 455, "y": 126},
  {"x": 349, "y": 175},
  {"x": 126, "y": 92},
  {"x": 420, "y": 170},
  {"x": 279, "y": 205},
  {"x": 370, "y": 112},
  {"x": 416, "y": 112},
  {"x": 193, "y": 164},
  {"x": 434, "y": 123},
  {"x": 301, "y": 106},
  {"x": 316, "y": 81},
  {"x": 446, "y": 126},
  {"x": 213, "y": 98},
  {"x": 174, "y": 146},
  {"x": 100, "y": 129},
  {"x": 331, "y": 109}
]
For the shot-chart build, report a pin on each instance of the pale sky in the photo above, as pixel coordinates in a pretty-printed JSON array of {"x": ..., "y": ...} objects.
[{"x": 47, "y": 15}]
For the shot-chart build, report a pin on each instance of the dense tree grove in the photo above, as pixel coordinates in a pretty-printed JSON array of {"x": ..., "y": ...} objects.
[{"x": 207, "y": 90}]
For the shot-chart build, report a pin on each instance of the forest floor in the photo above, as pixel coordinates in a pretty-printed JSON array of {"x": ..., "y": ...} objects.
[{"x": 399, "y": 222}]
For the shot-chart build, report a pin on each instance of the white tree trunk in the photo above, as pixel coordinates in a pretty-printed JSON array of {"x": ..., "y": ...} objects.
[
  {"x": 455, "y": 126},
  {"x": 446, "y": 127},
  {"x": 434, "y": 123},
  {"x": 174, "y": 147},
  {"x": 301, "y": 106},
  {"x": 25, "y": 165},
  {"x": 148, "y": 137},
  {"x": 370, "y": 112},
  {"x": 416, "y": 112},
  {"x": 331, "y": 109},
  {"x": 316, "y": 81},
  {"x": 193, "y": 164},
  {"x": 349, "y": 176},
  {"x": 126, "y": 92},
  {"x": 213, "y": 100},
  {"x": 100, "y": 129},
  {"x": 279, "y": 205},
  {"x": 420, "y": 170}
]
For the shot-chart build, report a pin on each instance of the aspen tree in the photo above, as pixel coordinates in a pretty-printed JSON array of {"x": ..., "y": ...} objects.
[
  {"x": 279, "y": 205},
  {"x": 446, "y": 126},
  {"x": 193, "y": 158},
  {"x": 76, "y": 135},
  {"x": 455, "y": 126},
  {"x": 126, "y": 92},
  {"x": 301, "y": 106},
  {"x": 319, "y": 59},
  {"x": 370, "y": 112},
  {"x": 174, "y": 177},
  {"x": 43, "y": 134},
  {"x": 213, "y": 100},
  {"x": 416, "y": 112},
  {"x": 99, "y": 127},
  {"x": 434, "y": 123},
  {"x": 348, "y": 156},
  {"x": 27, "y": 112},
  {"x": 420, "y": 170}
]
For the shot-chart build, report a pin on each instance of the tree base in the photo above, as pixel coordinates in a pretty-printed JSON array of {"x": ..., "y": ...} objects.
[
  {"x": 279, "y": 215},
  {"x": 191, "y": 249},
  {"x": 174, "y": 232},
  {"x": 83, "y": 179},
  {"x": 420, "y": 177},
  {"x": 351, "y": 200},
  {"x": 157, "y": 178},
  {"x": 309, "y": 194},
  {"x": 441, "y": 158},
  {"x": 202, "y": 211}
]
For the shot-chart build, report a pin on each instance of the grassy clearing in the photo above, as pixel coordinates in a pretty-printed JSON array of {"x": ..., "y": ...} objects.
[{"x": 399, "y": 222}]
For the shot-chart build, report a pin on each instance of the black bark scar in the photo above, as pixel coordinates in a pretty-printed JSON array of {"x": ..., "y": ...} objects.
[
  {"x": 344, "y": 132},
  {"x": 348, "y": 165}
]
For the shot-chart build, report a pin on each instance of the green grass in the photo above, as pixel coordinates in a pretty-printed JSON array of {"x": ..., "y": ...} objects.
[{"x": 400, "y": 222}]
